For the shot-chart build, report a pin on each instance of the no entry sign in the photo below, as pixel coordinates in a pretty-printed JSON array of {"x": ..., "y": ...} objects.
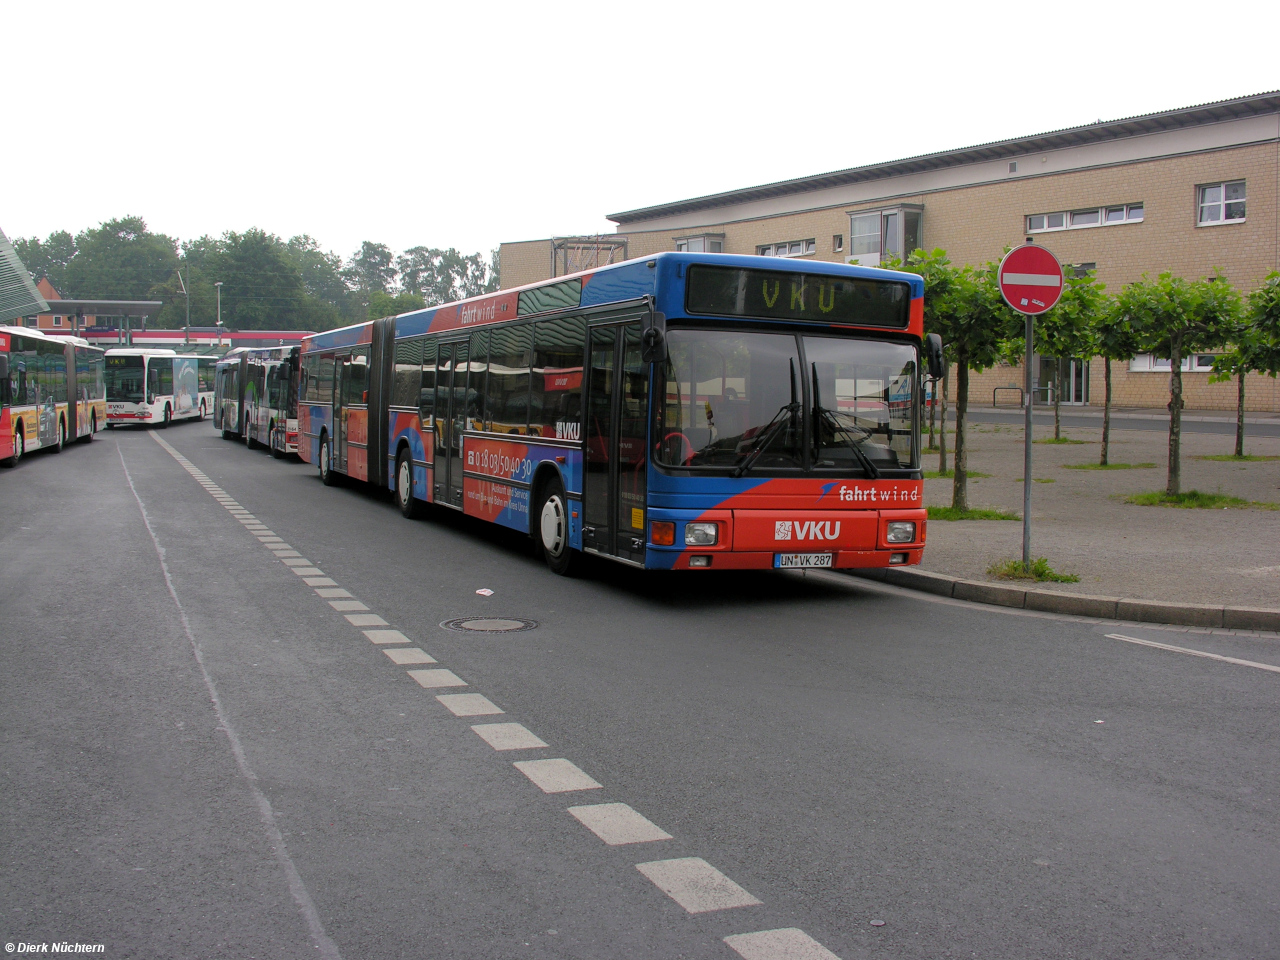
[{"x": 1030, "y": 279}]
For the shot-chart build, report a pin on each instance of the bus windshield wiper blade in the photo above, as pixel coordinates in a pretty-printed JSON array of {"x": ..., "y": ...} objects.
[
  {"x": 839, "y": 429},
  {"x": 766, "y": 436}
]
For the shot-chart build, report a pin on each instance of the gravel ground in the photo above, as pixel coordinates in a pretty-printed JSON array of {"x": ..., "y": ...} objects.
[{"x": 1081, "y": 524}]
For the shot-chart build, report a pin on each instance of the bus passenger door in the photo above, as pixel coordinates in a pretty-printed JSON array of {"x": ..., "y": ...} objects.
[
  {"x": 616, "y": 477},
  {"x": 341, "y": 370},
  {"x": 451, "y": 420}
]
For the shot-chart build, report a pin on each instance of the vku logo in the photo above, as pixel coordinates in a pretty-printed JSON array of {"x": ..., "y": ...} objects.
[{"x": 806, "y": 530}]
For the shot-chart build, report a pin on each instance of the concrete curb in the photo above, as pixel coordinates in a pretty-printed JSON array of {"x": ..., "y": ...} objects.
[{"x": 1079, "y": 605}]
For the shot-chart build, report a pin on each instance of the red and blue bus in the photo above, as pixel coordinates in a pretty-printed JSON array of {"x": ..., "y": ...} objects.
[
  {"x": 52, "y": 391},
  {"x": 686, "y": 411}
]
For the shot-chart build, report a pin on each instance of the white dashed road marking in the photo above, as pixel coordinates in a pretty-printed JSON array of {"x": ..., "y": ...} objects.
[
  {"x": 787, "y": 944},
  {"x": 1195, "y": 653},
  {"x": 507, "y": 736},
  {"x": 308, "y": 572},
  {"x": 469, "y": 705},
  {"x": 556, "y": 776},
  {"x": 296, "y": 561},
  {"x": 319, "y": 582},
  {"x": 617, "y": 824},
  {"x": 347, "y": 605},
  {"x": 437, "y": 678},
  {"x": 365, "y": 620},
  {"x": 696, "y": 885},
  {"x": 386, "y": 636},
  {"x": 407, "y": 655},
  {"x": 330, "y": 592}
]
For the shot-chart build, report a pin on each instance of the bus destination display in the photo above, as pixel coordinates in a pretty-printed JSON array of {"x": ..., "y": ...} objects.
[{"x": 775, "y": 295}]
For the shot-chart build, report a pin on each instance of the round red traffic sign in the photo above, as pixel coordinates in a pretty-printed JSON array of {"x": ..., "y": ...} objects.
[{"x": 1030, "y": 279}]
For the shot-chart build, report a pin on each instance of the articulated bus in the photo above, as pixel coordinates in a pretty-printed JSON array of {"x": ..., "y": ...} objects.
[
  {"x": 686, "y": 411},
  {"x": 52, "y": 391},
  {"x": 256, "y": 397},
  {"x": 157, "y": 386}
]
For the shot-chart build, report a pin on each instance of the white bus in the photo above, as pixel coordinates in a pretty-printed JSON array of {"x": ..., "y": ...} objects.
[{"x": 157, "y": 386}]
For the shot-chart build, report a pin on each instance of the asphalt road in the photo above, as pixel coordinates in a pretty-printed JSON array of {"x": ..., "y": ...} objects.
[{"x": 203, "y": 758}]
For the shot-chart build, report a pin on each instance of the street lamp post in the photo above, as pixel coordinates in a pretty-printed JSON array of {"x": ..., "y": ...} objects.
[{"x": 218, "y": 287}]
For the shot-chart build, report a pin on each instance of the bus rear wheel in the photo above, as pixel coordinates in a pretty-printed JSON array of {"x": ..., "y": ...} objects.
[
  {"x": 19, "y": 446},
  {"x": 277, "y": 450},
  {"x": 61, "y": 442},
  {"x": 410, "y": 506},
  {"x": 553, "y": 530},
  {"x": 168, "y": 415},
  {"x": 93, "y": 428}
]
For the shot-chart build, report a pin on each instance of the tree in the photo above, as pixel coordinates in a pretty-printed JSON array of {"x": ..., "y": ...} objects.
[
  {"x": 1115, "y": 339},
  {"x": 442, "y": 276},
  {"x": 1069, "y": 331},
  {"x": 372, "y": 267},
  {"x": 1173, "y": 317},
  {"x": 385, "y": 305},
  {"x": 262, "y": 287},
  {"x": 48, "y": 258},
  {"x": 330, "y": 301},
  {"x": 1255, "y": 346},
  {"x": 121, "y": 260}
]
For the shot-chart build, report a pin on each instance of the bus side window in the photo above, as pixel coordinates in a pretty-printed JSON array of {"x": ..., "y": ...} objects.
[
  {"x": 326, "y": 378},
  {"x": 427, "y": 393},
  {"x": 478, "y": 371},
  {"x": 555, "y": 396},
  {"x": 507, "y": 410}
]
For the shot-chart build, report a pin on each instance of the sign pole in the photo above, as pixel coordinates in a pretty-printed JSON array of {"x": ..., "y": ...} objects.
[{"x": 1026, "y": 463}]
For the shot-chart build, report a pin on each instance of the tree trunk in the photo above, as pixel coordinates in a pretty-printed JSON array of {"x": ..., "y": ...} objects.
[
  {"x": 933, "y": 412},
  {"x": 1057, "y": 398},
  {"x": 1106, "y": 415},
  {"x": 942, "y": 433},
  {"x": 1240, "y": 417},
  {"x": 1174, "y": 485},
  {"x": 959, "y": 485}
]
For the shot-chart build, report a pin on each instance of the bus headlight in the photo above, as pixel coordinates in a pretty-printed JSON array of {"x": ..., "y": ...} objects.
[
  {"x": 701, "y": 534},
  {"x": 901, "y": 531}
]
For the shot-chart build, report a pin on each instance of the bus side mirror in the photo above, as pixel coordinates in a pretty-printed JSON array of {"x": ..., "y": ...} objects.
[
  {"x": 653, "y": 342},
  {"x": 933, "y": 354}
]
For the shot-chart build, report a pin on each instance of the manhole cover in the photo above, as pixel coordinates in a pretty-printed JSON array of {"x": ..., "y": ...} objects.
[{"x": 489, "y": 624}]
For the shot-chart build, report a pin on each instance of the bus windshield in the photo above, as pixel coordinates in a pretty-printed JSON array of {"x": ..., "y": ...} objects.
[
  {"x": 126, "y": 380},
  {"x": 753, "y": 401}
]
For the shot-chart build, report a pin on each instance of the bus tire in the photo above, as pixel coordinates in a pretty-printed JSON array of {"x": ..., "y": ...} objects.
[
  {"x": 168, "y": 415},
  {"x": 226, "y": 434},
  {"x": 57, "y": 445},
  {"x": 200, "y": 417},
  {"x": 93, "y": 428},
  {"x": 410, "y": 506},
  {"x": 327, "y": 475},
  {"x": 276, "y": 451},
  {"x": 19, "y": 446},
  {"x": 553, "y": 530}
]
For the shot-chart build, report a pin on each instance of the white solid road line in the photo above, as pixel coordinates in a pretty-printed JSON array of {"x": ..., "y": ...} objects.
[
  {"x": 406, "y": 655},
  {"x": 507, "y": 736},
  {"x": 468, "y": 704},
  {"x": 1194, "y": 653},
  {"x": 617, "y": 824},
  {"x": 437, "y": 678},
  {"x": 696, "y": 885},
  {"x": 787, "y": 944},
  {"x": 556, "y": 776}
]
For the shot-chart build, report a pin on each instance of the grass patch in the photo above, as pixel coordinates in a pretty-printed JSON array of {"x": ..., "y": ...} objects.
[
  {"x": 1040, "y": 571},
  {"x": 1195, "y": 500},
  {"x": 951, "y": 513},
  {"x": 1232, "y": 458},
  {"x": 1036, "y": 480},
  {"x": 1109, "y": 466},
  {"x": 940, "y": 474},
  {"x": 1060, "y": 441}
]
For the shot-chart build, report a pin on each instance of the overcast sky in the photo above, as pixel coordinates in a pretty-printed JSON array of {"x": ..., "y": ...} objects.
[{"x": 471, "y": 123}]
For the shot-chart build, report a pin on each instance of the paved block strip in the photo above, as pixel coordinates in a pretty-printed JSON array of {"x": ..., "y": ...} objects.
[
  {"x": 617, "y": 824},
  {"x": 437, "y": 678},
  {"x": 406, "y": 655},
  {"x": 696, "y": 885},
  {"x": 365, "y": 620},
  {"x": 507, "y": 736},
  {"x": 385, "y": 636},
  {"x": 468, "y": 704},
  {"x": 341, "y": 605},
  {"x": 556, "y": 776},
  {"x": 786, "y": 944}
]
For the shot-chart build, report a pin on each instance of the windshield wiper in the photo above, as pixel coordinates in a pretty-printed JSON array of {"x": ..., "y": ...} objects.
[
  {"x": 838, "y": 429},
  {"x": 766, "y": 436}
]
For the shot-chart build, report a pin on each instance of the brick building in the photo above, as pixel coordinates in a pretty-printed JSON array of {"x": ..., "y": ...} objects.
[{"x": 1186, "y": 191}]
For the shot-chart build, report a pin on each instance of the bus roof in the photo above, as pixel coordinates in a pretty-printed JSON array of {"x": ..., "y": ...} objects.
[
  {"x": 614, "y": 283},
  {"x": 141, "y": 352}
]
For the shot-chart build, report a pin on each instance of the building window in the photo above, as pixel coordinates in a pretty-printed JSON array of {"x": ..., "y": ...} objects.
[
  {"x": 837, "y": 243},
  {"x": 57, "y": 320},
  {"x": 1091, "y": 217},
  {"x": 791, "y": 248},
  {"x": 874, "y": 235},
  {"x": 713, "y": 243},
  {"x": 1221, "y": 202},
  {"x": 1013, "y": 166},
  {"x": 1082, "y": 270},
  {"x": 1146, "y": 363}
]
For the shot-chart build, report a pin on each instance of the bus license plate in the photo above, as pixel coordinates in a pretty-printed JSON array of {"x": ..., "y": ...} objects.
[{"x": 781, "y": 560}]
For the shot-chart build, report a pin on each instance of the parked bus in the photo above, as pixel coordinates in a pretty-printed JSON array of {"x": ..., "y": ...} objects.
[
  {"x": 52, "y": 391},
  {"x": 686, "y": 411},
  {"x": 256, "y": 397},
  {"x": 157, "y": 386}
]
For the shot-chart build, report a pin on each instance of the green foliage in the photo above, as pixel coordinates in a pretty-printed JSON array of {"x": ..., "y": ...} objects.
[
  {"x": 48, "y": 258},
  {"x": 441, "y": 276},
  {"x": 1039, "y": 571},
  {"x": 1072, "y": 328},
  {"x": 120, "y": 260},
  {"x": 1107, "y": 466},
  {"x": 1194, "y": 499},
  {"x": 1244, "y": 458},
  {"x": 1256, "y": 337},
  {"x": 372, "y": 268},
  {"x": 951, "y": 513},
  {"x": 1058, "y": 441},
  {"x": 385, "y": 305}
]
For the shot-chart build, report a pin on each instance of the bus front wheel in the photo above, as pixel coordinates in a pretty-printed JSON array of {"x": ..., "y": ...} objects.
[
  {"x": 19, "y": 446},
  {"x": 62, "y": 438},
  {"x": 168, "y": 414},
  {"x": 410, "y": 506},
  {"x": 553, "y": 530},
  {"x": 327, "y": 476}
]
